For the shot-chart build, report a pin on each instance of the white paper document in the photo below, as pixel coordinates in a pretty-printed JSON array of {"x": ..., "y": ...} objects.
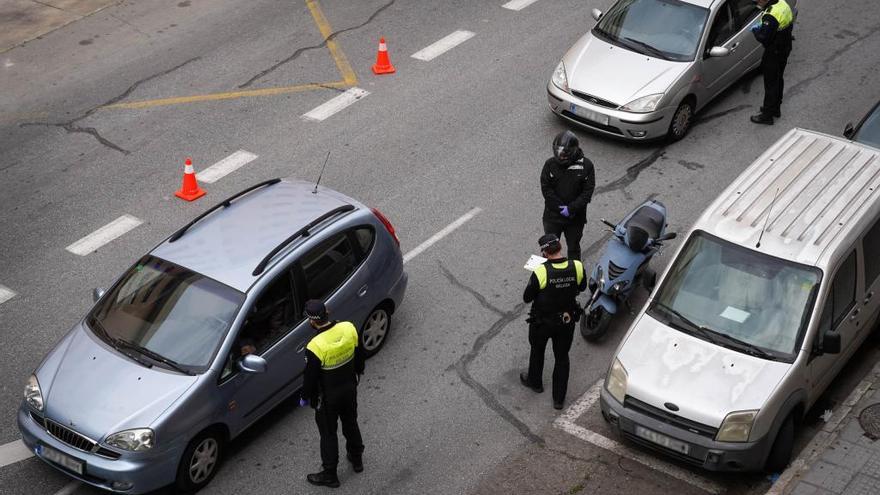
[
  {"x": 533, "y": 262},
  {"x": 735, "y": 314}
]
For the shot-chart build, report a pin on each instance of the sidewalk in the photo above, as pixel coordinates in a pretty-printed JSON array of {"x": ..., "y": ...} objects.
[
  {"x": 844, "y": 457},
  {"x": 24, "y": 20}
]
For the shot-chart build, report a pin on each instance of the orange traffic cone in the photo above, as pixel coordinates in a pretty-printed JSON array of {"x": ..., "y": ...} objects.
[
  {"x": 383, "y": 63},
  {"x": 190, "y": 189}
]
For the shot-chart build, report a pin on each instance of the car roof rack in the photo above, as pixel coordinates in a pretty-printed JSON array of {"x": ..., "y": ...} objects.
[
  {"x": 303, "y": 232},
  {"x": 225, "y": 204}
]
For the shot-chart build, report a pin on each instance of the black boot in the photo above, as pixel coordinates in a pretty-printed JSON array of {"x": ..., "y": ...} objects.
[
  {"x": 524, "y": 379},
  {"x": 324, "y": 478},
  {"x": 762, "y": 118},
  {"x": 357, "y": 462}
]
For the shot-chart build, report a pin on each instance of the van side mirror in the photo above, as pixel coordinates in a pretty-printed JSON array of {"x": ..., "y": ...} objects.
[
  {"x": 849, "y": 130},
  {"x": 667, "y": 236},
  {"x": 719, "y": 51},
  {"x": 830, "y": 343},
  {"x": 253, "y": 364},
  {"x": 98, "y": 293},
  {"x": 597, "y": 14}
]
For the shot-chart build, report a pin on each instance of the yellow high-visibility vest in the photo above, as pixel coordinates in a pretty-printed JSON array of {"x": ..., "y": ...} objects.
[
  {"x": 335, "y": 346},
  {"x": 781, "y": 11}
]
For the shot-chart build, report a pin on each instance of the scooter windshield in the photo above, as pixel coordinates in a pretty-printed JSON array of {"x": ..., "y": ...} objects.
[{"x": 743, "y": 299}]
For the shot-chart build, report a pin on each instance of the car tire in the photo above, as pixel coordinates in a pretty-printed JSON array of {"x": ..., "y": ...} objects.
[
  {"x": 200, "y": 462},
  {"x": 780, "y": 453},
  {"x": 682, "y": 120},
  {"x": 375, "y": 330}
]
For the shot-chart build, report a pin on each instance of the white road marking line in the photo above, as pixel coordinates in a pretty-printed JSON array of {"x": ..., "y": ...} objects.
[
  {"x": 438, "y": 48},
  {"x": 105, "y": 234},
  {"x": 518, "y": 4},
  {"x": 440, "y": 235},
  {"x": 334, "y": 105},
  {"x": 566, "y": 423},
  {"x": 225, "y": 166},
  {"x": 6, "y": 294},
  {"x": 826, "y": 436},
  {"x": 69, "y": 488},
  {"x": 13, "y": 452}
]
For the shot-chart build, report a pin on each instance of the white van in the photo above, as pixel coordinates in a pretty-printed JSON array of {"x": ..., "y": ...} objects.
[{"x": 773, "y": 290}]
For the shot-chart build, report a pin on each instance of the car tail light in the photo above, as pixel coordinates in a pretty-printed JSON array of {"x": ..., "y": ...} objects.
[{"x": 386, "y": 223}]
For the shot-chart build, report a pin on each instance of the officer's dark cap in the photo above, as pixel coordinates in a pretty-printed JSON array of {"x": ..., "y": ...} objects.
[
  {"x": 315, "y": 310},
  {"x": 548, "y": 241}
]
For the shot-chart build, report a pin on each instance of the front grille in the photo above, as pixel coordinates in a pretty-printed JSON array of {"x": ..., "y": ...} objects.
[
  {"x": 669, "y": 418},
  {"x": 590, "y": 123},
  {"x": 69, "y": 436},
  {"x": 595, "y": 101},
  {"x": 615, "y": 271},
  {"x": 107, "y": 453},
  {"x": 38, "y": 419}
]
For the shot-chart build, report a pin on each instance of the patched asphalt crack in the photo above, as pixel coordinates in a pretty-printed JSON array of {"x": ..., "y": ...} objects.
[
  {"x": 71, "y": 127},
  {"x": 632, "y": 173},
  {"x": 300, "y": 51},
  {"x": 800, "y": 85},
  {"x": 722, "y": 113},
  {"x": 479, "y": 297}
]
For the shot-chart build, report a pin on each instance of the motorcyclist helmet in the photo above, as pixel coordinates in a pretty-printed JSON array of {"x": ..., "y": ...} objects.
[{"x": 565, "y": 145}]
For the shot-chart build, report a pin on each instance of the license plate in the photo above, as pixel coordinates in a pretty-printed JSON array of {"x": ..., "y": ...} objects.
[
  {"x": 660, "y": 439},
  {"x": 590, "y": 115},
  {"x": 61, "y": 459}
]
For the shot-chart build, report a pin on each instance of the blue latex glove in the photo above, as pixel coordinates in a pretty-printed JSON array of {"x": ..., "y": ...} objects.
[
  {"x": 755, "y": 28},
  {"x": 303, "y": 402},
  {"x": 564, "y": 211}
]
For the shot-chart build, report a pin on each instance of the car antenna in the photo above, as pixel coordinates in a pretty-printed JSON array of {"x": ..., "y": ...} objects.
[
  {"x": 322, "y": 173},
  {"x": 766, "y": 220}
]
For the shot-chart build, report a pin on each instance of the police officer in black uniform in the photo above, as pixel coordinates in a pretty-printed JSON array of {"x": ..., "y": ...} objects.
[
  {"x": 334, "y": 364},
  {"x": 773, "y": 30},
  {"x": 553, "y": 287},
  {"x": 567, "y": 183}
]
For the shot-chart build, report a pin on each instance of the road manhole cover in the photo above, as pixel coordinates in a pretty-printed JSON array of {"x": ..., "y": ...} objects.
[{"x": 870, "y": 421}]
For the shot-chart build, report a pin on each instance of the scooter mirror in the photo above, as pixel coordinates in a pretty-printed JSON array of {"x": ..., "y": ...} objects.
[
  {"x": 667, "y": 236},
  {"x": 606, "y": 222}
]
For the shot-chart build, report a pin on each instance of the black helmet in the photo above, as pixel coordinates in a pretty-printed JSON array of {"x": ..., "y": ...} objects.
[{"x": 565, "y": 145}]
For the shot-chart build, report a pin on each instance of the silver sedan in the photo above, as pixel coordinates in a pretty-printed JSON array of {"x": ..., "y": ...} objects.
[{"x": 648, "y": 66}]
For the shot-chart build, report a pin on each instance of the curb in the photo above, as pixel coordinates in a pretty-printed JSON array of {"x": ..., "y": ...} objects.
[{"x": 825, "y": 437}]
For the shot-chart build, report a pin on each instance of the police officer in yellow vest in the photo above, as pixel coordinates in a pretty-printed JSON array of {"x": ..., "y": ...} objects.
[
  {"x": 334, "y": 364},
  {"x": 773, "y": 30},
  {"x": 553, "y": 287}
]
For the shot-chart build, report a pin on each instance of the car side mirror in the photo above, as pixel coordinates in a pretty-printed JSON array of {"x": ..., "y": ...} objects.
[
  {"x": 667, "y": 236},
  {"x": 597, "y": 14},
  {"x": 98, "y": 293},
  {"x": 719, "y": 51},
  {"x": 830, "y": 343},
  {"x": 849, "y": 130},
  {"x": 253, "y": 364}
]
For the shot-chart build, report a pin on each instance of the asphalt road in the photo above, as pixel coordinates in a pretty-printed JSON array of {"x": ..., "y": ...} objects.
[{"x": 442, "y": 410}]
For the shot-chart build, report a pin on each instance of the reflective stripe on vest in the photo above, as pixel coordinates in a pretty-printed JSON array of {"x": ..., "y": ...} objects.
[
  {"x": 541, "y": 272},
  {"x": 335, "y": 347},
  {"x": 781, "y": 11}
]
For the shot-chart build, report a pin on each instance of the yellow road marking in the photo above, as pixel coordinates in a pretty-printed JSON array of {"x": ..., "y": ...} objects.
[
  {"x": 349, "y": 78},
  {"x": 345, "y": 69}
]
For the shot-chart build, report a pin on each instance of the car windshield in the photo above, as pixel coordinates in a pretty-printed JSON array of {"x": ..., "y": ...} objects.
[
  {"x": 668, "y": 29},
  {"x": 869, "y": 132},
  {"x": 737, "y": 297},
  {"x": 162, "y": 311}
]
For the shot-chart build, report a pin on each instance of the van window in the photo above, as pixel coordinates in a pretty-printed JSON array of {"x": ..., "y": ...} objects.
[
  {"x": 737, "y": 297},
  {"x": 844, "y": 289},
  {"x": 328, "y": 265},
  {"x": 871, "y": 245}
]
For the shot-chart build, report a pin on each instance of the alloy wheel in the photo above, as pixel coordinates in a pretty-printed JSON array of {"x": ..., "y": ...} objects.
[
  {"x": 203, "y": 460},
  {"x": 375, "y": 329}
]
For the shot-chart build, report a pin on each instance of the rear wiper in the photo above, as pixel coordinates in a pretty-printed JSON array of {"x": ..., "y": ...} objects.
[
  {"x": 154, "y": 356},
  {"x": 656, "y": 51}
]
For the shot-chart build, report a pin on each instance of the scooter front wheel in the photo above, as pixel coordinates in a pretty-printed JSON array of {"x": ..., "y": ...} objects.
[{"x": 595, "y": 323}]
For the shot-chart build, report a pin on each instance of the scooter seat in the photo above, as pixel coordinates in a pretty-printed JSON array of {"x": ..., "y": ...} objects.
[{"x": 648, "y": 219}]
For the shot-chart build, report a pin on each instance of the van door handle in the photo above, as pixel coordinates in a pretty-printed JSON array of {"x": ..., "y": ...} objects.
[
  {"x": 362, "y": 291},
  {"x": 868, "y": 296}
]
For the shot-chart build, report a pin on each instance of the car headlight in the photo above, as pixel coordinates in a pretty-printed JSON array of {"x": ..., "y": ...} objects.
[
  {"x": 32, "y": 393},
  {"x": 560, "y": 80},
  {"x": 644, "y": 104},
  {"x": 615, "y": 383},
  {"x": 135, "y": 440},
  {"x": 736, "y": 427}
]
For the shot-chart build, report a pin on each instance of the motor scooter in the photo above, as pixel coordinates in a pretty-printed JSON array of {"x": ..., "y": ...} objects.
[{"x": 624, "y": 265}]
